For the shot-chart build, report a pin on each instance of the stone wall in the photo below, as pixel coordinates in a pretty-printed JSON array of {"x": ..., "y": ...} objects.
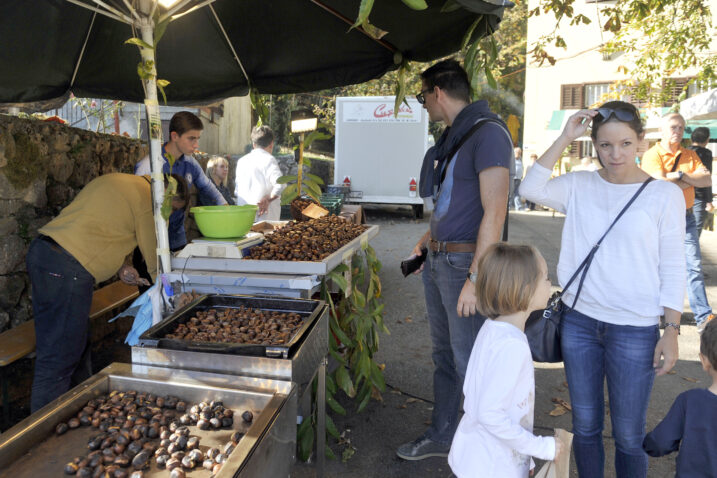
[{"x": 43, "y": 165}]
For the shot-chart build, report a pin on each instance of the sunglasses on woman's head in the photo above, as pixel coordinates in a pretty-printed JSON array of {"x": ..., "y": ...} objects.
[{"x": 621, "y": 114}]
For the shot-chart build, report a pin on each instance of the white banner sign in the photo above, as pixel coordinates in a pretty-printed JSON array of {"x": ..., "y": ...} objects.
[{"x": 380, "y": 112}]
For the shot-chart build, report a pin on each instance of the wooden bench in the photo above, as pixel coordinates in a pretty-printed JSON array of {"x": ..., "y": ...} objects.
[{"x": 19, "y": 342}]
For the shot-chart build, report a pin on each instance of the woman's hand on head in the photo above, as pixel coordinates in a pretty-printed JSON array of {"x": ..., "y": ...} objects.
[{"x": 578, "y": 124}]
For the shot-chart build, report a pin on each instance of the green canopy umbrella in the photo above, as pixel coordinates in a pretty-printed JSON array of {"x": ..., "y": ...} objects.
[{"x": 213, "y": 49}]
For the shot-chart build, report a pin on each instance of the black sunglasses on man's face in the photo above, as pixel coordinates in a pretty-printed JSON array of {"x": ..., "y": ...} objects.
[
  {"x": 421, "y": 97},
  {"x": 621, "y": 114}
]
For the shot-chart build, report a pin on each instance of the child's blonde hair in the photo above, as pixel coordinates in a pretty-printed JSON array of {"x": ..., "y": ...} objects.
[
  {"x": 213, "y": 162},
  {"x": 508, "y": 276}
]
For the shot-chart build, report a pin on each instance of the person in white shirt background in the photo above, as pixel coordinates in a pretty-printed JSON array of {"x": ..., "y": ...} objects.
[
  {"x": 256, "y": 176},
  {"x": 495, "y": 436}
]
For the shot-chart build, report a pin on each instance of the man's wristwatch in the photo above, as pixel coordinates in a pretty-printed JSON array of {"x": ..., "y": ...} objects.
[
  {"x": 674, "y": 326},
  {"x": 680, "y": 174},
  {"x": 472, "y": 276}
]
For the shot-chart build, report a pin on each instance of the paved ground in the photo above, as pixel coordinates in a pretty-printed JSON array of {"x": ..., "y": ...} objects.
[{"x": 371, "y": 437}]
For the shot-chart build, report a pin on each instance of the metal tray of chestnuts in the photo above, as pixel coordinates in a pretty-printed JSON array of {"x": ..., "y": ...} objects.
[
  {"x": 142, "y": 421},
  {"x": 236, "y": 324}
]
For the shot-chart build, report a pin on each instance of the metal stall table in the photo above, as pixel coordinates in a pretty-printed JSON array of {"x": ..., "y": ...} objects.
[
  {"x": 297, "y": 364},
  {"x": 32, "y": 449}
]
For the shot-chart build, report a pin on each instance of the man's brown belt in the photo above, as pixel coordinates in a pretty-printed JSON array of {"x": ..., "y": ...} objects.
[{"x": 438, "y": 246}]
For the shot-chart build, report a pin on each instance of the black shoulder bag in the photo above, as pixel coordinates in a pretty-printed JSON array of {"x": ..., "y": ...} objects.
[{"x": 543, "y": 326}]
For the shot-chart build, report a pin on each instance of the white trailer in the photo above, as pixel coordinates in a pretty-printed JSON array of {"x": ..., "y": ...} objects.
[{"x": 380, "y": 155}]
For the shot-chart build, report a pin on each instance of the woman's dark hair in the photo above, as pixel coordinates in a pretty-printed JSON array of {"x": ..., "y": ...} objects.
[
  {"x": 184, "y": 121},
  {"x": 701, "y": 135},
  {"x": 449, "y": 76},
  {"x": 618, "y": 108}
]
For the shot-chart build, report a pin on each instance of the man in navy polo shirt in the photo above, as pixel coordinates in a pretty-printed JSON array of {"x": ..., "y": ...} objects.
[
  {"x": 470, "y": 193},
  {"x": 185, "y": 128}
]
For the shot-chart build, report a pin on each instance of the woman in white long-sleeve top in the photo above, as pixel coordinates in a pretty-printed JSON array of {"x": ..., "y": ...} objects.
[{"x": 637, "y": 275}]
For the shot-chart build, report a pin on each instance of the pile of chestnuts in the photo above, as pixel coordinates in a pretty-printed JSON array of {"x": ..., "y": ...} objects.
[
  {"x": 241, "y": 325},
  {"x": 137, "y": 428},
  {"x": 311, "y": 240}
]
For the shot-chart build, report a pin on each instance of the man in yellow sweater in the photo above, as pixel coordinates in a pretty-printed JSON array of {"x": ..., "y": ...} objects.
[{"x": 87, "y": 242}]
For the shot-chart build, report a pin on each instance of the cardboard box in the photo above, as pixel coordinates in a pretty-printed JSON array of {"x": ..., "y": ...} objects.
[{"x": 353, "y": 213}]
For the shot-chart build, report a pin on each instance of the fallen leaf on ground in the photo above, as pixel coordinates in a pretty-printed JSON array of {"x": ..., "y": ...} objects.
[
  {"x": 408, "y": 319},
  {"x": 396, "y": 392},
  {"x": 671, "y": 372},
  {"x": 402, "y": 406},
  {"x": 690, "y": 379},
  {"x": 557, "y": 411},
  {"x": 398, "y": 321},
  {"x": 411, "y": 400},
  {"x": 565, "y": 384},
  {"x": 427, "y": 422},
  {"x": 562, "y": 402}
]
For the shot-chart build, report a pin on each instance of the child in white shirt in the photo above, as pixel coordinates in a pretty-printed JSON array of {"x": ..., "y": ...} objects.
[{"x": 495, "y": 436}]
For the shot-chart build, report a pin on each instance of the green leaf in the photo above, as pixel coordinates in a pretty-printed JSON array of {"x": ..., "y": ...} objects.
[
  {"x": 339, "y": 358},
  {"x": 339, "y": 269},
  {"x": 363, "y": 403},
  {"x": 469, "y": 33},
  {"x": 159, "y": 30},
  {"x": 307, "y": 164},
  {"x": 489, "y": 77},
  {"x": 142, "y": 73},
  {"x": 358, "y": 298},
  {"x": 161, "y": 90},
  {"x": 139, "y": 42},
  {"x": 312, "y": 189},
  {"x": 331, "y": 427},
  {"x": 162, "y": 83},
  {"x": 330, "y": 384},
  {"x": 340, "y": 281},
  {"x": 315, "y": 178},
  {"x": 335, "y": 406},
  {"x": 344, "y": 381},
  {"x": 415, "y": 4},
  {"x": 377, "y": 378},
  {"x": 289, "y": 193},
  {"x": 286, "y": 179},
  {"x": 364, "y": 11},
  {"x": 340, "y": 334},
  {"x": 329, "y": 452},
  {"x": 306, "y": 442},
  {"x": 450, "y": 6},
  {"x": 400, "y": 89}
]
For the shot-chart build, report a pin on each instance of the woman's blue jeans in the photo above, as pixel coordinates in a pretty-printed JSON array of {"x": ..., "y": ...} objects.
[{"x": 592, "y": 352}]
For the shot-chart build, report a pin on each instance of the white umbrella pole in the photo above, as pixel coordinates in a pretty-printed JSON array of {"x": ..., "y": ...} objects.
[{"x": 155, "y": 148}]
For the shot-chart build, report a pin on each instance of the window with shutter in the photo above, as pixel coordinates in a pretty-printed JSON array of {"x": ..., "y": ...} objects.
[
  {"x": 571, "y": 97},
  {"x": 674, "y": 87}
]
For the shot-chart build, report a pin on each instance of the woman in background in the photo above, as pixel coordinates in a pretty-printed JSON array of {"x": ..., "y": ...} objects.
[{"x": 218, "y": 172}]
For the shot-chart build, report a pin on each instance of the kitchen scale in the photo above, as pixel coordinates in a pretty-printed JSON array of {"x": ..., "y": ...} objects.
[{"x": 231, "y": 248}]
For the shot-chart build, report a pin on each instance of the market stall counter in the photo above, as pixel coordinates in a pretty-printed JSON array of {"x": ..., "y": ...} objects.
[{"x": 130, "y": 417}]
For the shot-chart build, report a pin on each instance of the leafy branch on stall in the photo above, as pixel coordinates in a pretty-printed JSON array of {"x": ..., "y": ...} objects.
[
  {"x": 303, "y": 182},
  {"x": 355, "y": 320}
]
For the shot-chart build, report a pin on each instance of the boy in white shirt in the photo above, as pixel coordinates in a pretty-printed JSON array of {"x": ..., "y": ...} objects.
[{"x": 495, "y": 436}]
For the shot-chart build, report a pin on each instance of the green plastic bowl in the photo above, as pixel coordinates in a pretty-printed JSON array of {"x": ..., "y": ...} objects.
[{"x": 223, "y": 222}]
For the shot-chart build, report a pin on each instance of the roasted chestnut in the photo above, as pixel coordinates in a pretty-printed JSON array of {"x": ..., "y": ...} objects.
[
  {"x": 73, "y": 423},
  {"x": 141, "y": 459},
  {"x": 61, "y": 428},
  {"x": 247, "y": 416},
  {"x": 71, "y": 468}
]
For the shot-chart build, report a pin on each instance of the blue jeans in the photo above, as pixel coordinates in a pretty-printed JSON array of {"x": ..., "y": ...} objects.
[
  {"x": 593, "y": 351},
  {"x": 61, "y": 300},
  {"x": 443, "y": 277},
  {"x": 696, "y": 293},
  {"x": 699, "y": 211}
]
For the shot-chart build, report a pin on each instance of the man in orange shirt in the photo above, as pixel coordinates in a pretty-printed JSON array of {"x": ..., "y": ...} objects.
[{"x": 668, "y": 160}]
